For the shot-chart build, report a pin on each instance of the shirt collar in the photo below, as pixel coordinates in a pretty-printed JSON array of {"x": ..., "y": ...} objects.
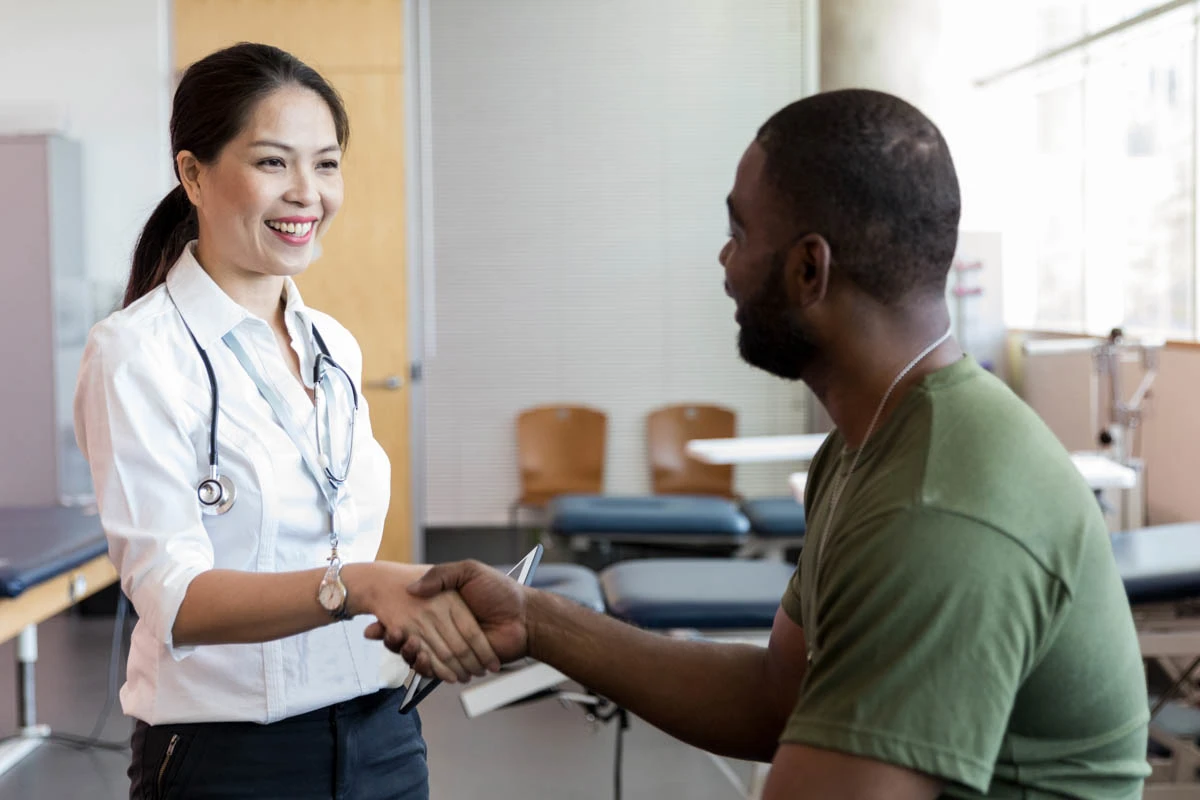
[
  {"x": 295, "y": 312},
  {"x": 207, "y": 310},
  {"x": 293, "y": 303}
]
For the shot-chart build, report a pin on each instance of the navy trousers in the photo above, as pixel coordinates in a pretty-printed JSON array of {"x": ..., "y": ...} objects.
[{"x": 363, "y": 749}]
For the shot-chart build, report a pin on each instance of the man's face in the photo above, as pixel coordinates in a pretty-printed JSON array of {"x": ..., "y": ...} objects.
[{"x": 772, "y": 336}]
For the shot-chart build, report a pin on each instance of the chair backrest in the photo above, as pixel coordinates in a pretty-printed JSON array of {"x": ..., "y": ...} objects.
[
  {"x": 560, "y": 450},
  {"x": 672, "y": 470}
]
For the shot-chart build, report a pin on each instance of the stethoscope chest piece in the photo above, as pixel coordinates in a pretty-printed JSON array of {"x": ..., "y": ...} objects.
[{"x": 216, "y": 495}]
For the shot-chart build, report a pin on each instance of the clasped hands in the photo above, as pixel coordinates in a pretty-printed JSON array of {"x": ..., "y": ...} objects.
[{"x": 455, "y": 621}]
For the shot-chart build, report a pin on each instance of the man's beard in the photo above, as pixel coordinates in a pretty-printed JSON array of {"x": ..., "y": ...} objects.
[{"x": 770, "y": 338}]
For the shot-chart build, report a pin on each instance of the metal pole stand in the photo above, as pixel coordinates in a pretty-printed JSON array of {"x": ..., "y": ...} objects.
[{"x": 31, "y": 734}]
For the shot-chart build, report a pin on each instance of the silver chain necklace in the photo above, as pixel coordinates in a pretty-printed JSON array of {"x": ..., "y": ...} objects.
[{"x": 842, "y": 480}]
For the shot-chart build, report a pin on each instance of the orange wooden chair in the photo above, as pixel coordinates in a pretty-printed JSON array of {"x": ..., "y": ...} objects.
[
  {"x": 672, "y": 470},
  {"x": 560, "y": 450}
]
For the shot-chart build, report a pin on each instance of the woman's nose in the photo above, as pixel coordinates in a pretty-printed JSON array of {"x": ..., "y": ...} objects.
[{"x": 303, "y": 189}]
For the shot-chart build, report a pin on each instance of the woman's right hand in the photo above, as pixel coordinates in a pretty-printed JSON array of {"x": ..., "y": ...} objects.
[{"x": 456, "y": 644}]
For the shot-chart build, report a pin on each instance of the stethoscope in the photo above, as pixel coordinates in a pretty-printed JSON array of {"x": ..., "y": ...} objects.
[{"x": 217, "y": 492}]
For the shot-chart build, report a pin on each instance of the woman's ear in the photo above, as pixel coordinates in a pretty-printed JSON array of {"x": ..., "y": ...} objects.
[
  {"x": 188, "y": 167},
  {"x": 806, "y": 270}
]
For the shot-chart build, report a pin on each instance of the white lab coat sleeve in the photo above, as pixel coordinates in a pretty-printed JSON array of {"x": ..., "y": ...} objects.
[{"x": 130, "y": 422}]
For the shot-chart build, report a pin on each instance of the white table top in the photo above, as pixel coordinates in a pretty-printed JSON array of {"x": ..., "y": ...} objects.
[
  {"x": 797, "y": 481},
  {"x": 1100, "y": 473},
  {"x": 756, "y": 449}
]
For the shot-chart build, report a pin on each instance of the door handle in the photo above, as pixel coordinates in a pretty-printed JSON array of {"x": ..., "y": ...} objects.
[{"x": 391, "y": 383}]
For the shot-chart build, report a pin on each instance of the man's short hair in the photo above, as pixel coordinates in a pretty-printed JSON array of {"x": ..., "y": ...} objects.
[{"x": 874, "y": 176}]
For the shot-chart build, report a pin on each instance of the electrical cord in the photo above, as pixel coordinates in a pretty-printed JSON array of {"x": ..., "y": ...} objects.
[
  {"x": 622, "y": 725},
  {"x": 93, "y": 740}
]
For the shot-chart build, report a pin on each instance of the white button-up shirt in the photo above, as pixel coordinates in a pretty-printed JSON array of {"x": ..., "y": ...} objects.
[{"x": 142, "y": 416}]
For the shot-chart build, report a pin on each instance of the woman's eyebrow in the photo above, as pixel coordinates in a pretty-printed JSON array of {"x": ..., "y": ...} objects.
[{"x": 288, "y": 148}]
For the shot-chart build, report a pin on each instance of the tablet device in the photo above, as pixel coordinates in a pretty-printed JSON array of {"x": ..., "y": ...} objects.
[{"x": 417, "y": 688}]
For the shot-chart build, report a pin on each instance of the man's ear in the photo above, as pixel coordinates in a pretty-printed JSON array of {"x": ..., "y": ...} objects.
[
  {"x": 806, "y": 270},
  {"x": 187, "y": 166}
]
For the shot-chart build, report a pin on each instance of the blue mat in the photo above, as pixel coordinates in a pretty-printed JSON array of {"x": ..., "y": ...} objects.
[{"x": 37, "y": 544}]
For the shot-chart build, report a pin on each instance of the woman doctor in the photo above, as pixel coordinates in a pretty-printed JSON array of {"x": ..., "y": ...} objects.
[{"x": 249, "y": 555}]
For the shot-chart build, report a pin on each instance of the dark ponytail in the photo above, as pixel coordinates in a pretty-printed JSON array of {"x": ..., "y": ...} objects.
[
  {"x": 167, "y": 232},
  {"x": 214, "y": 101}
]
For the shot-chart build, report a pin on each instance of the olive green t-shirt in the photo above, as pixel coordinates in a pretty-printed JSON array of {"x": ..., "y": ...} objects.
[{"x": 967, "y": 619}]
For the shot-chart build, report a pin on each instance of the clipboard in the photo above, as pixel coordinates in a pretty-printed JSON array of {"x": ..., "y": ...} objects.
[{"x": 417, "y": 688}]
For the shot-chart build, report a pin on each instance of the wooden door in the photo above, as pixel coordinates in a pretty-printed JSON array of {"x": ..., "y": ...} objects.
[{"x": 358, "y": 46}]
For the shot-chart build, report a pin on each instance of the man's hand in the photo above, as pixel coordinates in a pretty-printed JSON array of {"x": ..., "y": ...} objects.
[
  {"x": 453, "y": 645},
  {"x": 496, "y": 601}
]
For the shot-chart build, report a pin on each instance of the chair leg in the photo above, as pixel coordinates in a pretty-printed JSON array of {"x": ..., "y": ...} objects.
[
  {"x": 748, "y": 550},
  {"x": 775, "y": 552}
]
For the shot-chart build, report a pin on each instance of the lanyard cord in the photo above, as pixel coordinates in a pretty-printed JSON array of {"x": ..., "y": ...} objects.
[
  {"x": 329, "y": 488},
  {"x": 840, "y": 481}
]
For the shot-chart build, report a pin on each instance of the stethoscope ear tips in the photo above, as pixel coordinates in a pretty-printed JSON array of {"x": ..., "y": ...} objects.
[{"x": 216, "y": 495}]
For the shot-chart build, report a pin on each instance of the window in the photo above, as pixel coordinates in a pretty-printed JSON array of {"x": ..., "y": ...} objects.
[
  {"x": 1106, "y": 139},
  {"x": 1139, "y": 178}
]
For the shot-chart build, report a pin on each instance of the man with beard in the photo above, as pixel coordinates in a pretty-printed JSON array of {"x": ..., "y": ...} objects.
[{"x": 956, "y": 625}]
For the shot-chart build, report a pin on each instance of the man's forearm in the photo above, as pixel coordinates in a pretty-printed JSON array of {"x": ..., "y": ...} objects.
[{"x": 718, "y": 697}]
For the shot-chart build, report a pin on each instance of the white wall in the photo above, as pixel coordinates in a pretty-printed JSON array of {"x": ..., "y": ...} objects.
[
  {"x": 98, "y": 72},
  {"x": 931, "y": 53},
  {"x": 582, "y": 153}
]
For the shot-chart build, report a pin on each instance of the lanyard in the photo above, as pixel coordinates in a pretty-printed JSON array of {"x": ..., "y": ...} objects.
[{"x": 332, "y": 493}]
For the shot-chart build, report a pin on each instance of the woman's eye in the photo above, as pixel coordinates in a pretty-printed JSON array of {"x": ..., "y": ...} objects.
[
  {"x": 328, "y": 165},
  {"x": 271, "y": 162}
]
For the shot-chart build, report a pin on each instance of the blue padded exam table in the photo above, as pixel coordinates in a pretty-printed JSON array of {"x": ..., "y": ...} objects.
[
  {"x": 1160, "y": 567},
  {"x": 695, "y": 594},
  {"x": 669, "y": 521},
  {"x": 761, "y": 528},
  {"x": 50, "y": 559},
  {"x": 661, "y": 519}
]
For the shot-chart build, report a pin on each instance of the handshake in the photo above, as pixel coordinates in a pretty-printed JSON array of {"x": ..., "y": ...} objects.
[{"x": 453, "y": 622}]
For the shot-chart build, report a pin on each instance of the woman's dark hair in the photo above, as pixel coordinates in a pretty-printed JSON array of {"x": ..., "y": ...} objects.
[{"x": 212, "y": 104}]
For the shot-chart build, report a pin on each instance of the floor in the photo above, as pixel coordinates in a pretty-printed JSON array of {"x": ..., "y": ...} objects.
[{"x": 540, "y": 750}]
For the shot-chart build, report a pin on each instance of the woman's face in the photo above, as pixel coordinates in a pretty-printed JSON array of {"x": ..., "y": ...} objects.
[{"x": 273, "y": 190}]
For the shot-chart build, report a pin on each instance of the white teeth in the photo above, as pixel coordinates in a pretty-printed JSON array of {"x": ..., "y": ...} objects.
[{"x": 294, "y": 228}]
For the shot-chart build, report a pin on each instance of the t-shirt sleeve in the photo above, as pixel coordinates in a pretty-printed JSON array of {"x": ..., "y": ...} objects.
[
  {"x": 817, "y": 469},
  {"x": 923, "y": 645}
]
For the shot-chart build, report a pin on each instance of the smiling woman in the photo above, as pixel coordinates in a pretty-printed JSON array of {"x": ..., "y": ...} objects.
[
  {"x": 248, "y": 547},
  {"x": 270, "y": 194},
  {"x": 233, "y": 135}
]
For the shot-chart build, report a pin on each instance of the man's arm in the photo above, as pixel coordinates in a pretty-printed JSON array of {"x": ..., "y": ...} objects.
[
  {"x": 730, "y": 699},
  {"x": 725, "y": 698},
  {"x": 800, "y": 772}
]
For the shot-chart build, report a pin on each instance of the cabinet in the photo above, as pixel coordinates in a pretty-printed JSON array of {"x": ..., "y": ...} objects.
[{"x": 45, "y": 314}]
